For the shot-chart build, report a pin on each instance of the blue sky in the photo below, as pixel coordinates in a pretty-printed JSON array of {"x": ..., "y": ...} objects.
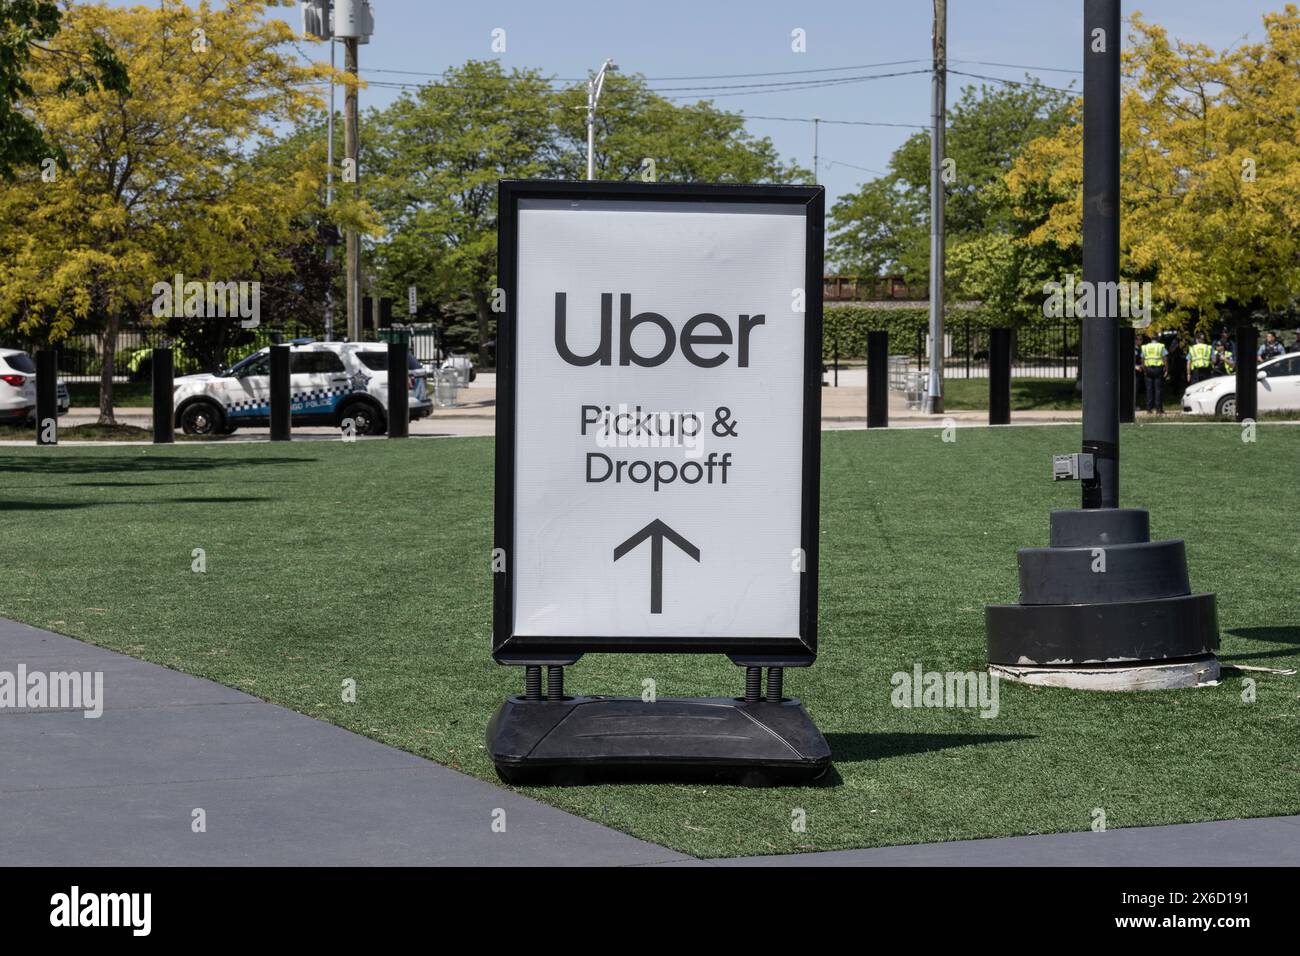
[{"x": 665, "y": 39}]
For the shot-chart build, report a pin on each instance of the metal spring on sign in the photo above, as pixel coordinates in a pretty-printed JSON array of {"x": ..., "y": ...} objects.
[{"x": 775, "y": 682}]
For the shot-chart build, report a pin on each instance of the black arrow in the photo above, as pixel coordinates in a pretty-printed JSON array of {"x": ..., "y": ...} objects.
[{"x": 656, "y": 531}]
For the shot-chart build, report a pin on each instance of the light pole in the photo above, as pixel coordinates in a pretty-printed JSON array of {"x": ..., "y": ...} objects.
[
  {"x": 594, "y": 87},
  {"x": 939, "y": 113},
  {"x": 817, "y": 122},
  {"x": 1103, "y": 607}
]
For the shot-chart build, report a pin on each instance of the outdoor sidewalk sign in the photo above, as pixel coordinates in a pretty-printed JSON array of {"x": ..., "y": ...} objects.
[{"x": 658, "y": 416}]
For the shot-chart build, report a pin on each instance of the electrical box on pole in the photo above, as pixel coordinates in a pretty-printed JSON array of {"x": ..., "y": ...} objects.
[{"x": 316, "y": 19}]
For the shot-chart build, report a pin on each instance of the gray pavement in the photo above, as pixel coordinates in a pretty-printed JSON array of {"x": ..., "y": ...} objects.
[
  {"x": 1268, "y": 841},
  {"x": 278, "y": 788}
]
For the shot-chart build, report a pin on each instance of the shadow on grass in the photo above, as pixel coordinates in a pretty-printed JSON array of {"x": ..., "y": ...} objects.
[
  {"x": 857, "y": 748},
  {"x": 1283, "y": 634},
  {"x": 135, "y": 484},
  {"x": 88, "y": 465},
  {"x": 68, "y": 505},
  {"x": 42, "y": 505}
]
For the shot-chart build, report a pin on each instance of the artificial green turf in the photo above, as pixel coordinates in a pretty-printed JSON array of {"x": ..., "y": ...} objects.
[
  {"x": 1027, "y": 394},
  {"x": 370, "y": 560},
  {"x": 89, "y": 432}
]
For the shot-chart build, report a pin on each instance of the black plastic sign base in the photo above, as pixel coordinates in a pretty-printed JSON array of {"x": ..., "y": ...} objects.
[
  {"x": 1103, "y": 595},
  {"x": 595, "y": 739}
]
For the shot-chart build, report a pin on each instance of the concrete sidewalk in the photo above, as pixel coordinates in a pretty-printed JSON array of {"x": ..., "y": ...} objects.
[
  {"x": 281, "y": 789},
  {"x": 277, "y": 788},
  {"x": 1267, "y": 841}
]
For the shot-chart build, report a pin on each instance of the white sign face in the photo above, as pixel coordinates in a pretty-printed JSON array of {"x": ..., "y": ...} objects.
[{"x": 659, "y": 419}]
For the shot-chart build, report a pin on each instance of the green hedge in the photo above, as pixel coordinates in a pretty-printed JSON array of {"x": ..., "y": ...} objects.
[{"x": 851, "y": 323}]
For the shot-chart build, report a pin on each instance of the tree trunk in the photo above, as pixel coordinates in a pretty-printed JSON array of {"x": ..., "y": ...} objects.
[
  {"x": 108, "y": 344},
  {"x": 484, "y": 317}
]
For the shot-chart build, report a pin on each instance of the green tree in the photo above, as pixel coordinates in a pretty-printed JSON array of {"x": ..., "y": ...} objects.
[
  {"x": 158, "y": 182},
  {"x": 641, "y": 135},
  {"x": 26, "y": 29},
  {"x": 433, "y": 159},
  {"x": 1210, "y": 167},
  {"x": 885, "y": 226},
  {"x": 430, "y": 168}
]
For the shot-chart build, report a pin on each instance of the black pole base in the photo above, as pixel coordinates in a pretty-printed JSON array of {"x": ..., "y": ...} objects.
[
  {"x": 1102, "y": 603},
  {"x": 581, "y": 740}
]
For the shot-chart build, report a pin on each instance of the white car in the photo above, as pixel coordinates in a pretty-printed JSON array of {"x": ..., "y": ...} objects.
[
  {"x": 329, "y": 382},
  {"x": 1279, "y": 388},
  {"x": 18, "y": 388}
]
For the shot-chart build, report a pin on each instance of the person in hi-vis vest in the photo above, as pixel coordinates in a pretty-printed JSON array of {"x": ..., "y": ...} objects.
[
  {"x": 1222, "y": 362},
  {"x": 1155, "y": 363},
  {"x": 1199, "y": 358}
]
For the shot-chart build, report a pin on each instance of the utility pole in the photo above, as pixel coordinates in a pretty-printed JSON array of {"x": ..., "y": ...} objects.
[
  {"x": 938, "y": 111},
  {"x": 353, "y": 267},
  {"x": 1101, "y": 76},
  {"x": 329, "y": 199},
  {"x": 817, "y": 122},
  {"x": 353, "y": 23},
  {"x": 595, "y": 86},
  {"x": 318, "y": 24}
]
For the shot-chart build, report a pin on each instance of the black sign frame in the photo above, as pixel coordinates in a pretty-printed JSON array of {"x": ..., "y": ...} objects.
[{"x": 509, "y": 647}]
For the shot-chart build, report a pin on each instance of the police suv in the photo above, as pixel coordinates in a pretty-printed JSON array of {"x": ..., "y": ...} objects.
[{"x": 329, "y": 382}]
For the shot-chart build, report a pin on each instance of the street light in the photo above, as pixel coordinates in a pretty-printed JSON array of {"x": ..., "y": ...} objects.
[{"x": 594, "y": 87}]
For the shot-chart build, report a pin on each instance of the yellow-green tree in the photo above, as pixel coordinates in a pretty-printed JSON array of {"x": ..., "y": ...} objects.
[
  {"x": 1210, "y": 174},
  {"x": 159, "y": 180}
]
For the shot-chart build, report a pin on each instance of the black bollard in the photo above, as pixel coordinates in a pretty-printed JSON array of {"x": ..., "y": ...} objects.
[
  {"x": 877, "y": 379},
  {"x": 47, "y": 397},
  {"x": 999, "y": 376},
  {"x": 399, "y": 400},
  {"x": 280, "y": 411},
  {"x": 1127, "y": 388},
  {"x": 164, "y": 414},
  {"x": 1247, "y": 372}
]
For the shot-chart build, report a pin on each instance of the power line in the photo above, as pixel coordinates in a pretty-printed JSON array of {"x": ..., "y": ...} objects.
[
  {"x": 1000, "y": 79},
  {"x": 810, "y": 119},
  {"x": 668, "y": 92},
  {"x": 741, "y": 115},
  {"x": 866, "y": 169},
  {"x": 793, "y": 84},
  {"x": 828, "y": 69},
  {"x": 670, "y": 79},
  {"x": 1020, "y": 66}
]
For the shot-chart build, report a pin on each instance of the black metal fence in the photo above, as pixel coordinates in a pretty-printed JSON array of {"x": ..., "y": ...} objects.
[
  {"x": 81, "y": 356},
  {"x": 1038, "y": 351}
]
